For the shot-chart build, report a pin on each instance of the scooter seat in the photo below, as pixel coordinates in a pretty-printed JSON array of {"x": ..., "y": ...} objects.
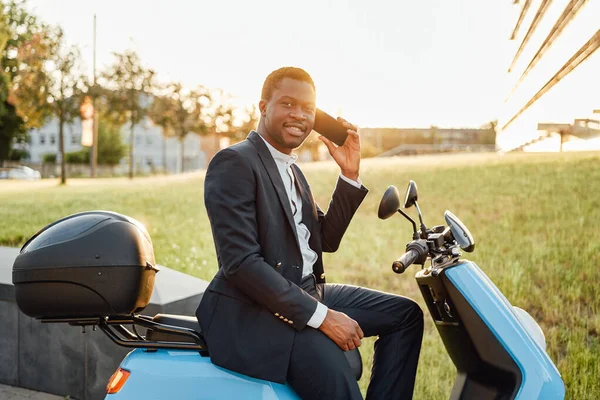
[{"x": 184, "y": 321}]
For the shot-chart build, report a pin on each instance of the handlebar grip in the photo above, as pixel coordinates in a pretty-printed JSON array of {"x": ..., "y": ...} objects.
[{"x": 405, "y": 261}]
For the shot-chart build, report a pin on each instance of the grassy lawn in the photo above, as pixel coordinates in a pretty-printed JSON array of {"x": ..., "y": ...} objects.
[{"x": 534, "y": 219}]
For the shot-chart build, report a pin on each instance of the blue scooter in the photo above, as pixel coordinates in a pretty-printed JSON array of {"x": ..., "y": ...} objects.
[{"x": 499, "y": 350}]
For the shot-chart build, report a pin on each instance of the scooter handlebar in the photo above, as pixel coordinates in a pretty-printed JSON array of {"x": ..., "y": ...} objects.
[{"x": 405, "y": 261}]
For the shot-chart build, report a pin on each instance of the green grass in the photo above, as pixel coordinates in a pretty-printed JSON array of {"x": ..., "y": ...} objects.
[{"x": 534, "y": 218}]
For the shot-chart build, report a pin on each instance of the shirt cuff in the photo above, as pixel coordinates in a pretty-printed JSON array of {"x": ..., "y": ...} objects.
[
  {"x": 357, "y": 183},
  {"x": 318, "y": 317}
]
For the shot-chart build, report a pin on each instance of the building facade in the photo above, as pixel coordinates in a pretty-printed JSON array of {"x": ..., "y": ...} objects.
[
  {"x": 397, "y": 141},
  {"x": 553, "y": 80},
  {"x": 151, "y": 149}
]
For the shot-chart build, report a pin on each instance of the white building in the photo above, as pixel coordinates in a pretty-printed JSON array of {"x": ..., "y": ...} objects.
[
  {"x": 553, "y": 84},
  {"x": 149, "y": 146}
]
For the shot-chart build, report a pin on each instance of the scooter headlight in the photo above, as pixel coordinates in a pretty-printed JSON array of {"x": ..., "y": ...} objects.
[{"x": 531, "y": 326}]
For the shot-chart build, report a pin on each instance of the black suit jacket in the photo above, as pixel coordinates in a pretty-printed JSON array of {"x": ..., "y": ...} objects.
[{"x": 253, "y": 306}]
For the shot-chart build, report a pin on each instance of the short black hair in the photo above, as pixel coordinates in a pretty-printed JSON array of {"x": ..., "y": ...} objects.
[{"x": 274, "y": 79}]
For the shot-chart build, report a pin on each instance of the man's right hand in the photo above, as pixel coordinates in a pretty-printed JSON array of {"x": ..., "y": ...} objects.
[{"x": 342, "y": 329}]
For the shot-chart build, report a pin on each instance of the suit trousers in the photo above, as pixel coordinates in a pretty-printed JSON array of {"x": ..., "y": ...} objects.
[{"x": 318, "y": 368}]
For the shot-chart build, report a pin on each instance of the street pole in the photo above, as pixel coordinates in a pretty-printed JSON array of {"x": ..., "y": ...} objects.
[{"x": 94, "y": 158}]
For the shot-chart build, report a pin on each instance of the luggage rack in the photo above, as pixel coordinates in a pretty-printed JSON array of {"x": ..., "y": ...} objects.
[{"x": 113, "y": 327}]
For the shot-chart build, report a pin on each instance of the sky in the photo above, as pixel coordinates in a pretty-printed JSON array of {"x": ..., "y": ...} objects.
[{"x": 395, "y": 63}]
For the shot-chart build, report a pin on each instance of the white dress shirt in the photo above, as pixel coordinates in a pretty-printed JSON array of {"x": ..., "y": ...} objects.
[{"x": 309, "y": 257}]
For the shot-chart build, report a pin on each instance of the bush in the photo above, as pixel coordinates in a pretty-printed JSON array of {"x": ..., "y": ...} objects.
[
  {"x": 110, "y": 146},
  {"x": 49, "y": 158},
  {"x": 78, "y": 157},
  {"x": 18, "y": 155},
  {"x": 368, "y": 150}
]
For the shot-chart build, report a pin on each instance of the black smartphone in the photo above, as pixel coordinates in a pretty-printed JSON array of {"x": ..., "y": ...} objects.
[{"x": 330, "y": 127}]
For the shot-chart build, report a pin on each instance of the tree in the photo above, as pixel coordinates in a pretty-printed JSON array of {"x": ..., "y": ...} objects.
[
  {"x": 160, "y": 115},
  {"x": 65, "y": 86},
  {"x": 433, "y": 130},
  {"x": 218, "y": 117},
  {"x": 30, "y": 43},
  {"x": 11, "y": 125},
  {"x": 110, "y": 147},
  {"x": 4, "y": 35},
  {"x": 179, "y": 112},
  {"x": 218, "y": 114},
  {"x": 244, "y": 121},
  {"x": 110, "y": 144},
  {"x": 24, "y": 46},
  {"x": 312, "y": 144},
  {"x": 12, "y": 129},
  {"x": 489, "y": 137},
  {"x": 223, "y": 119},
  {"x": 130, "y": 85}
]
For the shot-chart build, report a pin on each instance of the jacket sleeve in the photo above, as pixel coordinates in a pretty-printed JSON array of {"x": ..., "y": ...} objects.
[
  {"x": 344, "y": 202},
  {"x": 229, "y": 196}
]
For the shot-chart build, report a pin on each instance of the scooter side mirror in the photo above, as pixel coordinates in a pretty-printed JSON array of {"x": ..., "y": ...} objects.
[
  {"x": 460, "y": 232},
  {"x": 390, "y": 203},
  {"x": 411, "y": 195}
]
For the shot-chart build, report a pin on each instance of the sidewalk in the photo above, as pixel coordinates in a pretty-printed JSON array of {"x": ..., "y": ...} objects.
[{"x": 17, "y": 393}]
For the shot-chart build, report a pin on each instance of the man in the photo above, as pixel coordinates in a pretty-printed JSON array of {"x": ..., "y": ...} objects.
[{"x": 268, "y": 313}]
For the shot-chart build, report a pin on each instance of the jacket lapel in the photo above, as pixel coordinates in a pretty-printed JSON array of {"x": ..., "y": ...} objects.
[
  {"x": 307, "y": 203},
  {"x": 273, "y": 173}
]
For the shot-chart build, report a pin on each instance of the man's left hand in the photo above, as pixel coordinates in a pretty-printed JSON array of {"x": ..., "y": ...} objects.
[{"x": 348, "y": 155}]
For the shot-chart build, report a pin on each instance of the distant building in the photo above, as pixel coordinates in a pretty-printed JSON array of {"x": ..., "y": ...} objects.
[
  {"x": 395, "y": 141},
  {"x": 149, "y": 146},
  {"x": 553, "y": 82}
]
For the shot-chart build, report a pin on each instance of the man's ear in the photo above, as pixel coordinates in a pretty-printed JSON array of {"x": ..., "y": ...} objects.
[{"x": 262, "y": 106}]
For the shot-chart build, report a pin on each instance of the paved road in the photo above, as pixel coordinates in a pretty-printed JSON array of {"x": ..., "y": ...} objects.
[{"x": 17, "y": 393}]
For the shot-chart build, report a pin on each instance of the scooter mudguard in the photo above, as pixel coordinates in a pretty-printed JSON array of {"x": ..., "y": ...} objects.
[
  {"x": 185, "y": 374},
  {"x": 540, "y": 378}
]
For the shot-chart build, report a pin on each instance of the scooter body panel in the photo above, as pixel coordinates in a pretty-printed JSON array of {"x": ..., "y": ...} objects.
[
  {"x": 540, "y": 378},
  {"x": 185, "y": 374}
]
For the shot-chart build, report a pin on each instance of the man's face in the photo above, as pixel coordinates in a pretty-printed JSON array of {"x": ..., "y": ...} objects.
[{"x": 288, "y": 117}]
